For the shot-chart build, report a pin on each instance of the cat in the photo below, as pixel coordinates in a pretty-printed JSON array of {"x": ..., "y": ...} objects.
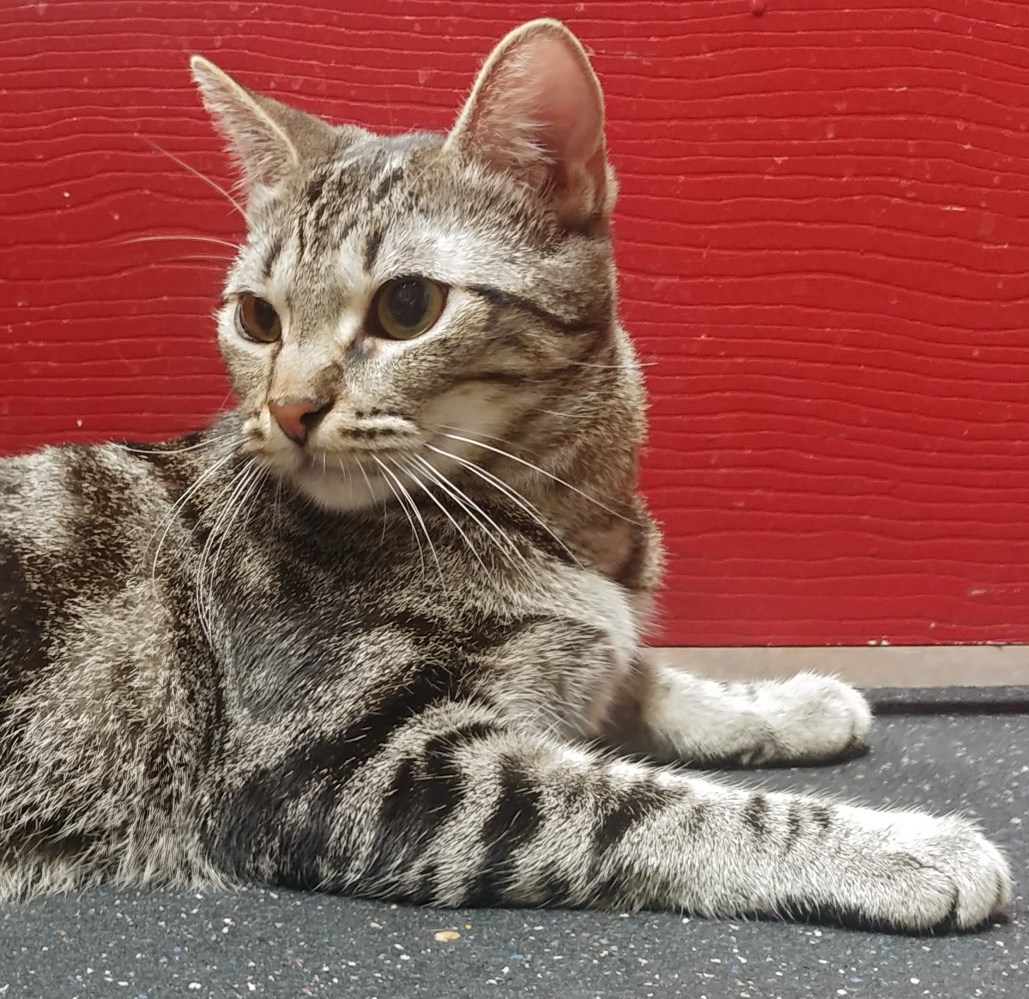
[{"x": 379, "y": 629}]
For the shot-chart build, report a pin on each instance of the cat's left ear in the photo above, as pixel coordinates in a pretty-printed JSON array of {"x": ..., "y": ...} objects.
[
  {"x": 537, "y": 112},
  {"x": 270, "y": 140}
]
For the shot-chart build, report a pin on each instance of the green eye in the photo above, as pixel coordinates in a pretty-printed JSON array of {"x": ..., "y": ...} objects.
[
  {"x": 406, "y": 307},
  {"x": 257, "y": 319}
]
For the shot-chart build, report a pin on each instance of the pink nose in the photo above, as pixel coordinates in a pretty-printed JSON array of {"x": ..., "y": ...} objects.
[{"x": 297, "y": 416}]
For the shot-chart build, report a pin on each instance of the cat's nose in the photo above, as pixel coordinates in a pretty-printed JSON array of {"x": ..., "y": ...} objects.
[{"x": 296, "y": 417}]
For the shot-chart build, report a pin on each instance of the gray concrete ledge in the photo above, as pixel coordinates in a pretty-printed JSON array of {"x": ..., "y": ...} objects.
[{"x": 866, "y": 666}]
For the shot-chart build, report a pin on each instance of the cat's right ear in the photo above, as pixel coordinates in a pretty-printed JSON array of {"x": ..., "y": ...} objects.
[
  {"x": 537, "y": 113},
  {"x": 269, "y": 140}
]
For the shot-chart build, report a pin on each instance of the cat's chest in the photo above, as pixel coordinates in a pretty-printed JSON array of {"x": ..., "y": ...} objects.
[{"x": 334, "y": 625}]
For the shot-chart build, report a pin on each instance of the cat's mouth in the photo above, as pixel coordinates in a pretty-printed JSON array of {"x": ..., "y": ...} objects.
[
  {"x": 378, "y": 463},
  {"x": 358, "y": 470}
]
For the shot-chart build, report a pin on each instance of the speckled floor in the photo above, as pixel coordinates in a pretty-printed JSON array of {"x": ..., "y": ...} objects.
[{"x": 260, "y": 943}]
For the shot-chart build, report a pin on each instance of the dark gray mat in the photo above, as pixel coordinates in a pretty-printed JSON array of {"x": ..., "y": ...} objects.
[
  {"x": 259, "y": 943},
  {"x": 941, "y": 700}
]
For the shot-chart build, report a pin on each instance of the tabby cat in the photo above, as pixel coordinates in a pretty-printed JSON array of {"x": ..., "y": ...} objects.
[{"x": 378, "y": 629}]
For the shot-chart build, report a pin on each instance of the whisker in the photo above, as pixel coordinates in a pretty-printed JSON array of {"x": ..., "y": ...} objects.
[
  {"x": 614, "y": 367},
  {"x": 446, "y": 513},
  {"x": 144, "y": 449},
  {"x": 371, "y": 493},
  {"x": 410, "y": 520},
  {"x": 478, "y": 515},
  {"x": 248, "y": 491},
  {"x": 542, "y": 471},
  {"x": 416, "y": 511},
  {"x": 238, "y": 488},
  {"x": 276, "y": 511},
  {"x": 196, "y": 173},
  {"x": 186, "y": 237},
  {"x": 516, "y": 497},
  {"x": 224, "y": 498},
  {"x": 218, "y": 503},
  {"x": 178, "y": 505},
  {"x": 196, "y": 258}
]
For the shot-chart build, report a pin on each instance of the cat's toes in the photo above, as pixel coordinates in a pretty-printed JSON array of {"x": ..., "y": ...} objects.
[
  {"x": 908, "y": 872},
  {"x": 815, "y": 719},
  {"x": 940, "y": 874}
]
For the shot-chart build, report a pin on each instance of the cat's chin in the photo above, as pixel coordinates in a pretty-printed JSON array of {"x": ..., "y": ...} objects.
[{"x": 341, "y": 490}]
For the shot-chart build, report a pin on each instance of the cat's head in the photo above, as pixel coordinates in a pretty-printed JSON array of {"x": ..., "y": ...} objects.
[{"x": 405, "y": 305}]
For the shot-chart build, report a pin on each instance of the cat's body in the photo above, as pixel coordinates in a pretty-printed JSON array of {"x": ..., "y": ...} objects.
[
  {"x": 170, "y": 724},
  {"x": 369, "y": 632}
]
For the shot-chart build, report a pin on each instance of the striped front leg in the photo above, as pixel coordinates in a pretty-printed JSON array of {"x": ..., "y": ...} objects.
[{"x": 454, "y": 808}]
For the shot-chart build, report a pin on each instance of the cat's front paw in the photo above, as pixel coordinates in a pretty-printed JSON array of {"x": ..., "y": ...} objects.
[
  {"x": 926, "y": 874},
  {"x": 813, "y": 719}
]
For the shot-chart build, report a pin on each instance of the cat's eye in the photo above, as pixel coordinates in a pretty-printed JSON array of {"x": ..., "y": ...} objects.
[
  {"x": 256, "y": 319},
  {"x": 406, "y": 307}
]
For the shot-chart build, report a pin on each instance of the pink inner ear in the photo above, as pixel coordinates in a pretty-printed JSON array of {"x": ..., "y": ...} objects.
[
  {"x": 539, "y": 113},
  {"x": 568, "y": 104}
]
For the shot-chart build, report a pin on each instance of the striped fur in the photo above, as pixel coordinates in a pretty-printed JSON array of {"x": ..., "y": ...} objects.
[{"x": 404, "y": 659}]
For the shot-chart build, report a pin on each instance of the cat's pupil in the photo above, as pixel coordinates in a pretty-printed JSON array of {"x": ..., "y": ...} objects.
[
  {"x": 265, "y": 315},
  {"x": 408, "y": 302}
]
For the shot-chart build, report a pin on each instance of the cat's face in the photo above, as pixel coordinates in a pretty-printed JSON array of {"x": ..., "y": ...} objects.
[{"x": 402, "y": 304}]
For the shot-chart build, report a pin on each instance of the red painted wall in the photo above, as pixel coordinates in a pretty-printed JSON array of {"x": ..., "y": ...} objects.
[{"x": 823, "y": 235}]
